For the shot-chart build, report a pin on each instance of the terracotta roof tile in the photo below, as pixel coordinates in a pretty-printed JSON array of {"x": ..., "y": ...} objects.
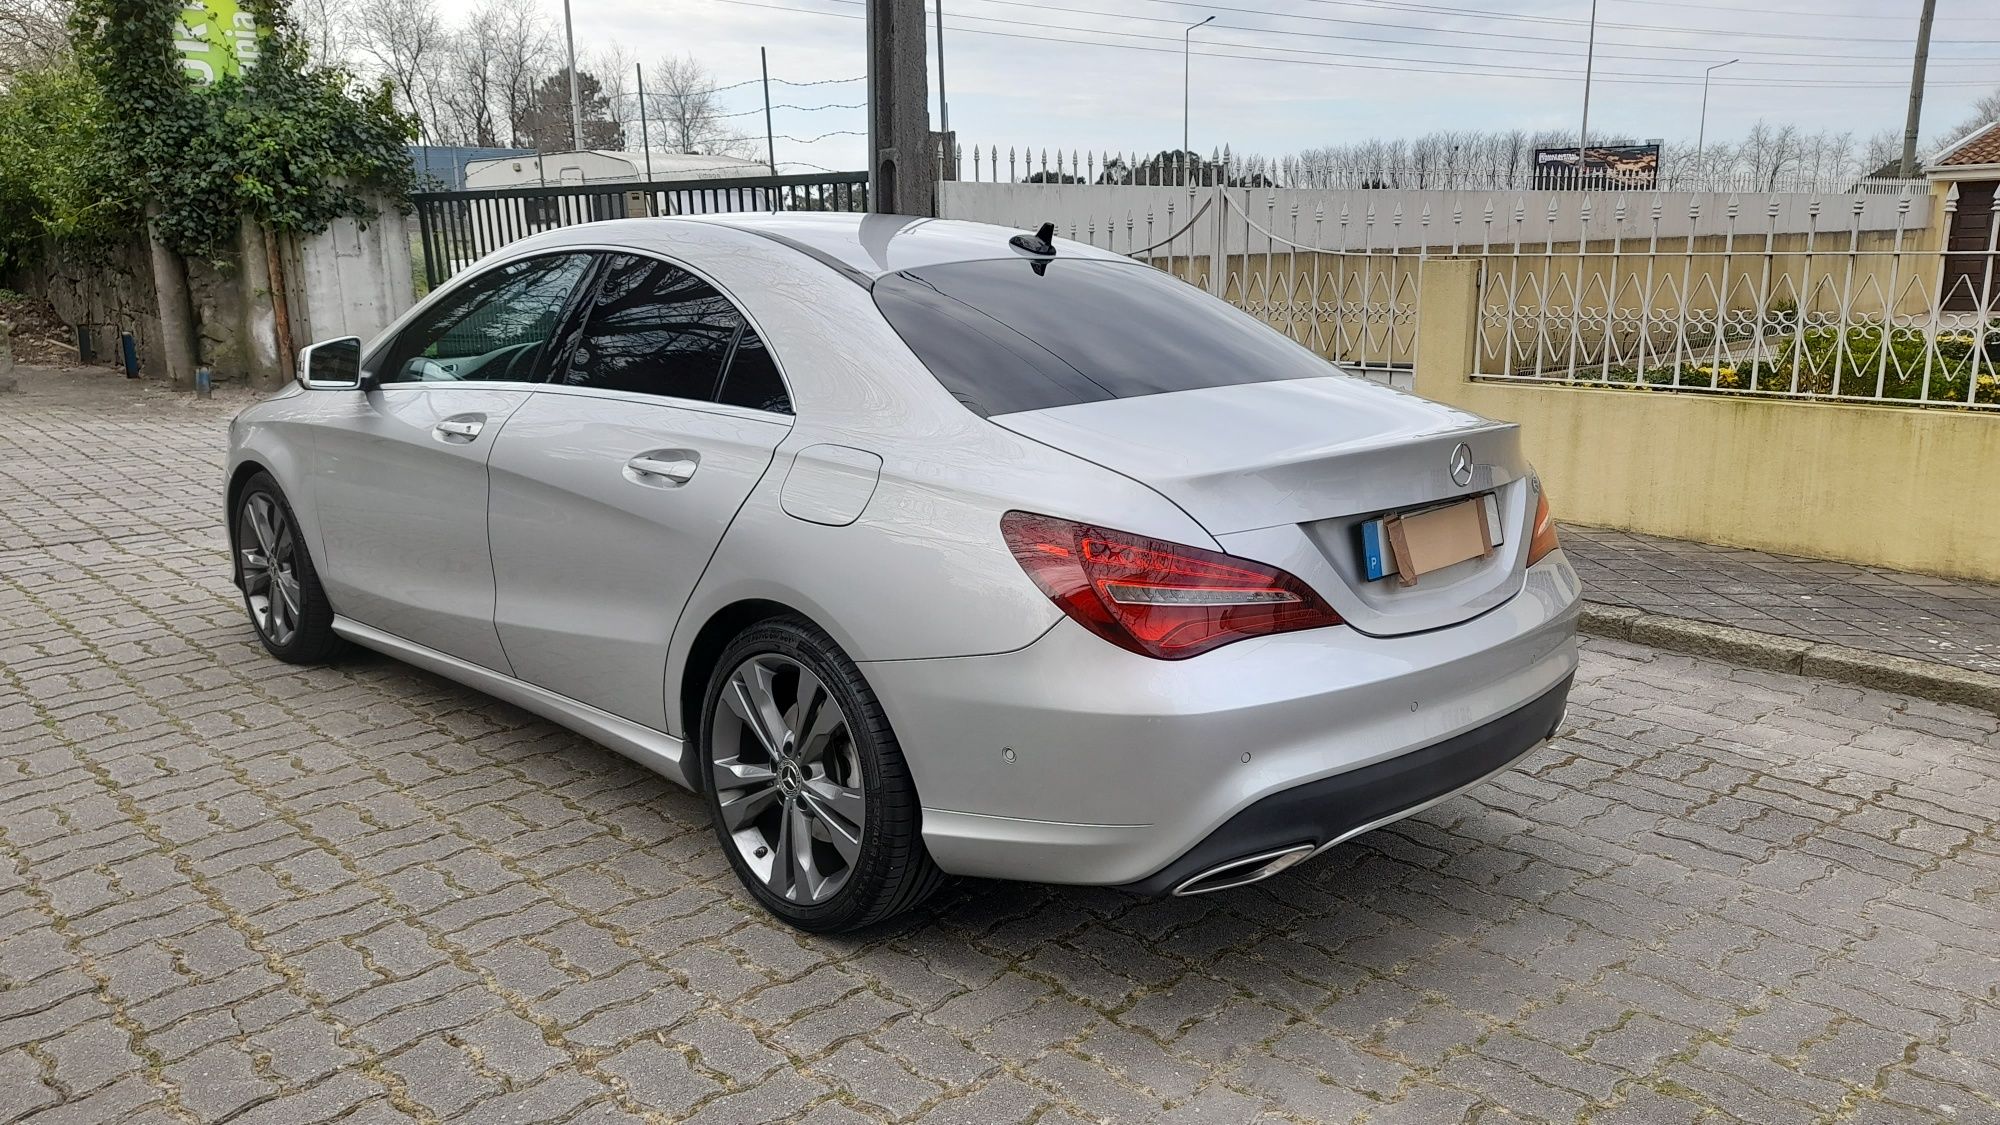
[{"x": 1982, "y": 147}]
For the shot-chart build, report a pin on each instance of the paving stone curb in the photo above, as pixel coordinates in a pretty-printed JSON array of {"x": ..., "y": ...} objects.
[{"x": 1926, "y": 679}]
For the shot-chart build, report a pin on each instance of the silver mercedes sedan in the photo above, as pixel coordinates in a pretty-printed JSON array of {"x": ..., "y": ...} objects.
[{"x": 918, "y": 548}]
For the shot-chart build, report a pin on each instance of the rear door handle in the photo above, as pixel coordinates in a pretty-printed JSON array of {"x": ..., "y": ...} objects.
[
  {"x": 676, "y": 465},
  {"x": 466, "y": 428}
]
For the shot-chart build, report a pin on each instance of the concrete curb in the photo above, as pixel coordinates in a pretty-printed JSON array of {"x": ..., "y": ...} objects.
[{"x": 1769, "y": 651}]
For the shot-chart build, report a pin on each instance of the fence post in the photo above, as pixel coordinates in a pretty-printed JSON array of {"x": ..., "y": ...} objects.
[
  {"x": 1218, "y": 255},
  {"x": 1447, "y": 326}
]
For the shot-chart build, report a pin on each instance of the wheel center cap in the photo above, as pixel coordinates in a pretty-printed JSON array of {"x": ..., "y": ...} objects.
[{"x": 791, "y": 779}]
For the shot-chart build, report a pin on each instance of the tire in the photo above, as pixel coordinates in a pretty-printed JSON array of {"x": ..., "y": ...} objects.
[
  {"x": 294, "y": 621},
  {"x": 842, "y": 878}
]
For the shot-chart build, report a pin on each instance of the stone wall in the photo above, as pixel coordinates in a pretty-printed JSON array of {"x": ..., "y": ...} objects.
[{"x": 108, "y": 292}]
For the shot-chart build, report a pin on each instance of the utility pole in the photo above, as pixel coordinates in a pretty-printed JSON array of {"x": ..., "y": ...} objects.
[
  {"x": 770, "y": 141},
  {"x": 901, "y": 170},
  {"x": 1701, "y": 133},
  {"x": 575, "y": 105},
  {"x": 645, "y": 137},
  {"x": 1589, "y": 64},
  {"x": 1909, "y": 168}
]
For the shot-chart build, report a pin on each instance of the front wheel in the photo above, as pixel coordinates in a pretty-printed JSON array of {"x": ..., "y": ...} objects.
[
  {"x": 807, "y": 786},
  {"x": 280, "y": 586}
]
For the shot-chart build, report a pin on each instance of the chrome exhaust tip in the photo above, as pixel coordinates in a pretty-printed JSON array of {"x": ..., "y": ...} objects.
[{"x": 1243, "y": 872}]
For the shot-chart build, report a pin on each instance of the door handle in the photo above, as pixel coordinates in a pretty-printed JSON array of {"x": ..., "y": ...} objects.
[
  {"x": 467, "y": 428},
  {"x": 676, "y": 465}
]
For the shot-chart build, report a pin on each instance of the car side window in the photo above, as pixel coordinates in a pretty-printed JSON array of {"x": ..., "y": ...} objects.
[
  {"x": 495, "y": 328},
  {"x": 752, "y": 379},
  {"x": 654, "y": 329}
]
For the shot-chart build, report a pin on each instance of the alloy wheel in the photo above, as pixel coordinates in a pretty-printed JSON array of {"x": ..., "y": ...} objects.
[
  {"x": 788, "y": 779},
  {"x": 266, "y": 546}
]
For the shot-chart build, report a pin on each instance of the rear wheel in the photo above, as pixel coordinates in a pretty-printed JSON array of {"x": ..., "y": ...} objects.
[
  {"x": 808, "y": 789},
  {"x": 280, "y": 587}
]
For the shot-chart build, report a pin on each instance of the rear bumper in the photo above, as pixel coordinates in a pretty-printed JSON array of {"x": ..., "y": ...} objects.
[
  {"x": 1322, "y": 813},
  {"x": 1074, "y": 761}
]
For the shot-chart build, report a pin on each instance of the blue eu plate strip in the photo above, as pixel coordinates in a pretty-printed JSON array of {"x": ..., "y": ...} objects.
[{"x": 1375, "y": 550}]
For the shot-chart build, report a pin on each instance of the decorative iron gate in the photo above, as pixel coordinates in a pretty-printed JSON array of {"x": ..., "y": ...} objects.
[{"x": 457, "y": 228}]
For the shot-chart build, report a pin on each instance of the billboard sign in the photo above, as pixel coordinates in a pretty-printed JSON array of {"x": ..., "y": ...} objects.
[
  {"x": 1600, "y": 167},
  {"x": 214, "y": 38}
]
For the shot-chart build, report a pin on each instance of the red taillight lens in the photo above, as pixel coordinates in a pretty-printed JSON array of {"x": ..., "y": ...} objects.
[
  {"x": 1544, "y": 539},
  {"x": 1158, "y": 598}
]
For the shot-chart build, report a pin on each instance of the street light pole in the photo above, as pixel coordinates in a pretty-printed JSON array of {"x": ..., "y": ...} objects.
[
  {"x": 645, "y": 134},
  {"x": 1701, "y": 133},
  {"x": 1187, "y": 79},
  {"x": 575, "y": 106},
  {"x": 1589, "y": 64}
]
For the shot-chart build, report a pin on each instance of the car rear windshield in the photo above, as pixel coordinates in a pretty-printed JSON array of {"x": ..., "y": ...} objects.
[{"x": 1018, "y": 334}]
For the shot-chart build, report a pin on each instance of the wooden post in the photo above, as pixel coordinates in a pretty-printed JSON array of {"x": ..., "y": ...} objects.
[{"x": 281, "y": 313}]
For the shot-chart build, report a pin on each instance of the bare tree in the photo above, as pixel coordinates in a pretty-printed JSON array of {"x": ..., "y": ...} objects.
[
  {"x": 468, "y": 84},
  {"x": 323, "y": 25},
  {"x": 683, "y": 94},
  {"x": 1769, "y": 152},
  {"x": 33, "y": 33},
  {"x": 1984, "y": 112},
  {"x": 1881, "y": 149},
  {"x": 525, "y": 41},
  {"x": 407, "y": 40},
  {"x": 613, "y": 68}
]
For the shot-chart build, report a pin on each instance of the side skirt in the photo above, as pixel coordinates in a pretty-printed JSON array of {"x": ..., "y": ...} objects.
[{"x": 662, "y": 753}]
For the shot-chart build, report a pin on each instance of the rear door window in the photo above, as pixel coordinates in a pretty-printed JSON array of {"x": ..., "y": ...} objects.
[
  {"x": 1016, "y": 334},
  {"x": 654, "y": 329}
]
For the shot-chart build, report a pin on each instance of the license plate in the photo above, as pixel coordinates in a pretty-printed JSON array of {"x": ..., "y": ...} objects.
[{"x": 1411, "y": 544}]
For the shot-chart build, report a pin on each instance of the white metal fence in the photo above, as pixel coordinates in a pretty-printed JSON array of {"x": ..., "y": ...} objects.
[
  {"x": 1846, "y": 296},
  {"x": 1030, "y": 164},
  {"x": 1835, "y": 311}
]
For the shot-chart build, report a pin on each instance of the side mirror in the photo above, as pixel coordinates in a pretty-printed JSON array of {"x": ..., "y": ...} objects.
[{"x": 331, "y": 365}]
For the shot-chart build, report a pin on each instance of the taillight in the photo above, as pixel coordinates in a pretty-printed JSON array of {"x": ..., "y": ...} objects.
[
  {"x": 1158, "y": 598},
  {"x": 1544, "y": 539}
]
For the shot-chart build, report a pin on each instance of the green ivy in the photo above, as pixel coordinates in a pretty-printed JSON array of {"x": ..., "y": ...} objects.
[{"x": 291, "y": 145}]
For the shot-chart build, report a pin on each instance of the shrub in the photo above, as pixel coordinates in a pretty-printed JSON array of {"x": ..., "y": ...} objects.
[{"x": 54, "y": 180}]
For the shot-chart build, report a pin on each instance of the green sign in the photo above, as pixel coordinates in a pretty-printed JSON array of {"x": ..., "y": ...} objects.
[{"x": 215, "y": 37}]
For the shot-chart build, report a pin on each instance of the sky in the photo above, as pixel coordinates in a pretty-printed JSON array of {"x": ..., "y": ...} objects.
[{"x": 1278, "y": 76}]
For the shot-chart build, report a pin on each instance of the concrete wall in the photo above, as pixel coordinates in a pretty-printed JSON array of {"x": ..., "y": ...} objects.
[
  {"x": 1117, "y": 216},
  {"x": 1890, "y": 486},
  {"x": 349, "y": 280}
]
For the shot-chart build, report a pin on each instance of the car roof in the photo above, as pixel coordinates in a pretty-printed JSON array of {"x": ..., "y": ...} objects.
[{"x": 865, "y": 246}]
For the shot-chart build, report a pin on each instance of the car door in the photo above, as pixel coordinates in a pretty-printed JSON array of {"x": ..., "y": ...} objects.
[
  {"x": 400, "y": 471},
  {"x": 613, "y": 484}
]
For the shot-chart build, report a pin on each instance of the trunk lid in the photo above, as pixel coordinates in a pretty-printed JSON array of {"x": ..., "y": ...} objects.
[{"x": 1286, "y": 473}]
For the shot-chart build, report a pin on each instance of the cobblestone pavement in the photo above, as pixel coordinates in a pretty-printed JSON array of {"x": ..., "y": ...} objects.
[
  {"x": 1920, "y": 616},
  {"x": 235, "y": 890}
]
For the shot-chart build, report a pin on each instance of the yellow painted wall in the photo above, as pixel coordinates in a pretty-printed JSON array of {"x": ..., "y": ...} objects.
[{"x": 1910, "y": 489}]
